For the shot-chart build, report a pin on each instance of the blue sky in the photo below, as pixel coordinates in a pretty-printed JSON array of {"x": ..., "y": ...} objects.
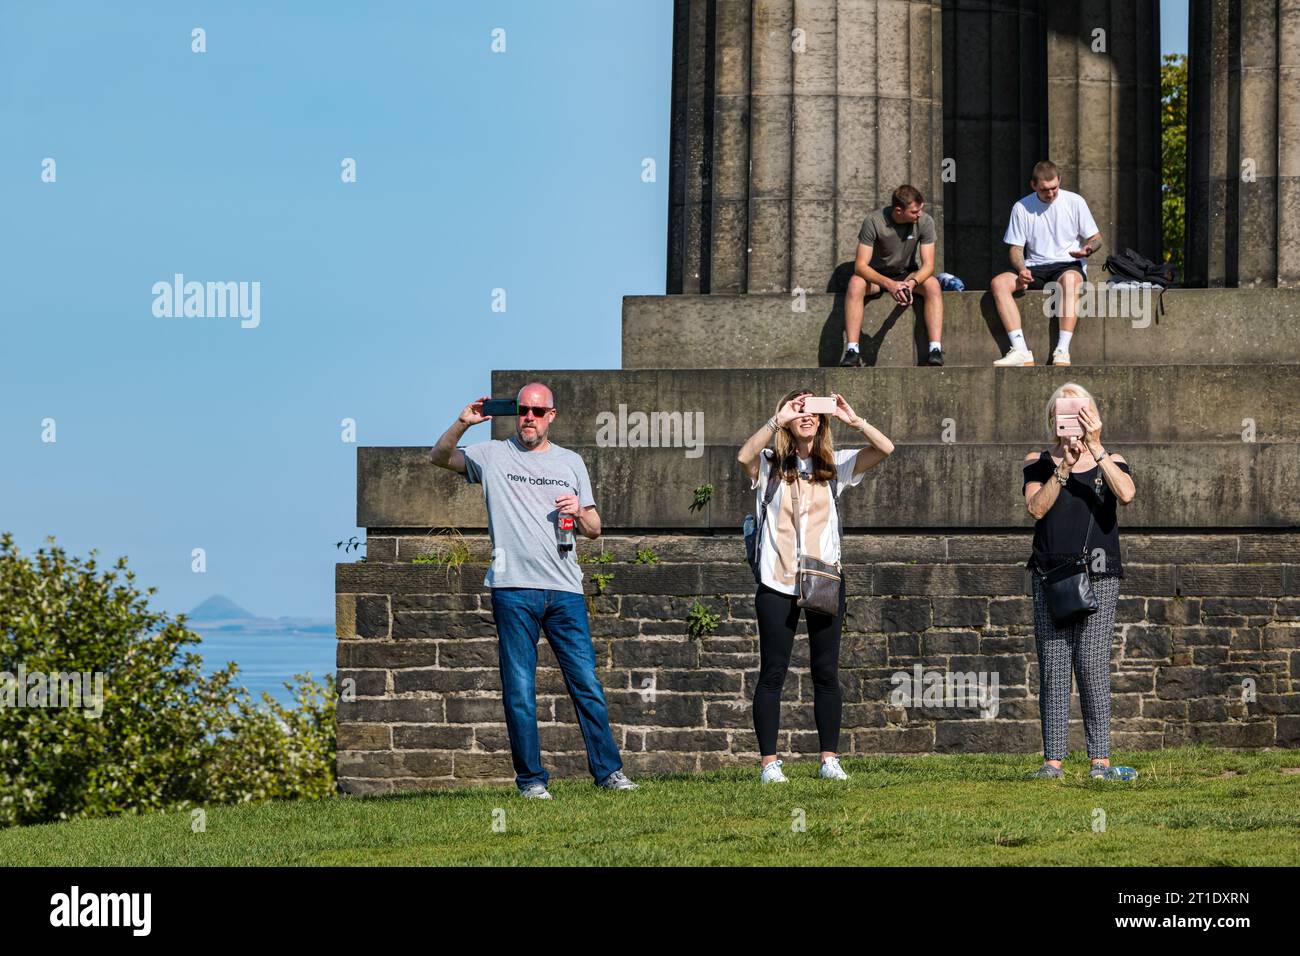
[{"x": 475, "y": 170}]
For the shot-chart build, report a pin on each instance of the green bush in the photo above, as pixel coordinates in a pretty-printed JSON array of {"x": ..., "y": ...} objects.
[{"x": 167, "y": 737}]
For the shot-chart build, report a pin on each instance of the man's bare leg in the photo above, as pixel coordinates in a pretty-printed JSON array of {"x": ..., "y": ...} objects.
[
  {"x": 1004, "y": 287},
  {"x": 854, "y": 300},
  {"x": 1071, "y": 282}
]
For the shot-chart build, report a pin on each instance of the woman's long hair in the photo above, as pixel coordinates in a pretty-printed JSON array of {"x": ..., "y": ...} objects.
[{"x": 823, "y": 449}]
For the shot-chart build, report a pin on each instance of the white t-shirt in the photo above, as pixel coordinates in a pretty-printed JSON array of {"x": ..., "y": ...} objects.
[
  {"x": 819, "y": 519},
  {"x": 1049, "y": 231}
]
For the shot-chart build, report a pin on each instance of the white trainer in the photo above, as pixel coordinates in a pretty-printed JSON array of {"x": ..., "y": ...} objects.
[
  {"x": 1016, "y": 357},
  {"x": 772, "y": 773},
  {"x": 1060, "y": 357},
  {"x": 831, "y": 770}
]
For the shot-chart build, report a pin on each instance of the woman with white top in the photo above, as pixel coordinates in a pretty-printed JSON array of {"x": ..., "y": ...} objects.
[{"x": 811, "y": 476}]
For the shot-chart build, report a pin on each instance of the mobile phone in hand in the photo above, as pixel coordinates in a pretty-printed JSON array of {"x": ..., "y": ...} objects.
[
  {"x": 819, "y": 405},
  {"x": 1067, "y": 416},
  {"x": 504, "y": 407}
]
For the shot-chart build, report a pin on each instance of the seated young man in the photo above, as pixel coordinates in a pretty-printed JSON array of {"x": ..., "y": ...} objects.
[
  {"x": 1044, "y": 234},
  {"x": 895, "y": 255}
]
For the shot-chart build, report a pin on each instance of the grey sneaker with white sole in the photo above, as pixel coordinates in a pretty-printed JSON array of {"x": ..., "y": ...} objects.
[{"x": 617, "y": 781}]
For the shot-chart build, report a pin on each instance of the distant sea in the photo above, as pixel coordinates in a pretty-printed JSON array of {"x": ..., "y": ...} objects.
[{"x": 267, "y": 658}]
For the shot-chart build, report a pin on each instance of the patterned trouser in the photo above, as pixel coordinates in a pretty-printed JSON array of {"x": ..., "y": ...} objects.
[{"x": 1083, "y": 648}]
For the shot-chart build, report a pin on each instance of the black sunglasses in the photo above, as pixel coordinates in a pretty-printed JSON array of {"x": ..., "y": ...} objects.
[{"x": 535, "y": 411}]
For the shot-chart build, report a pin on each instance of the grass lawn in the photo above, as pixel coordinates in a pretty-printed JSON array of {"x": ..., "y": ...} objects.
[{"x": 1191, "y": 806}]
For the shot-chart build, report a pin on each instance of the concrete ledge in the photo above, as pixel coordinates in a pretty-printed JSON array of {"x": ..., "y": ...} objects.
[
  {"x": 1138, "y": 403},
  {"x": 1216, "y": 326},
  {"x": 948, "y": 486},
  {"x": 1160, "y": 548}
]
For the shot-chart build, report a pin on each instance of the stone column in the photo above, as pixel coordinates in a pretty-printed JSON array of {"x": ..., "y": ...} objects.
[
  {"x": 994, "y": 125},
  {"x": 1243, "y": 205},
  {"x": 791, "y": 119},
  {"x": 1103, "y": 102}
]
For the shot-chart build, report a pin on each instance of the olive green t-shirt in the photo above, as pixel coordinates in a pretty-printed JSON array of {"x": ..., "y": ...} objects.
[{"x": 893, "y": 245}]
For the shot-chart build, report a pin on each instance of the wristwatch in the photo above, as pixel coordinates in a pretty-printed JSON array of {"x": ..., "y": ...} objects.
[{"x": 1102, "y": 457}]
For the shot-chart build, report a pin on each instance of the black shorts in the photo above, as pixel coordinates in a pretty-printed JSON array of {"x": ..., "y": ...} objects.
[{"x": 1052, "y": 272}]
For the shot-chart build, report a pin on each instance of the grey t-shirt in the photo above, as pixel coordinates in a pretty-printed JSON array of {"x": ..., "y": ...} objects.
[
  {"x": 893, "y": 245},
  {"x": 520, "y": 488}
]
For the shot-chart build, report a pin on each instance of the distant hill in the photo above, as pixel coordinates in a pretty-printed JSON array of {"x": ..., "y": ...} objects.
[
  {"x": 218, "y": 614},
  {"x": 218, "y": 608}
]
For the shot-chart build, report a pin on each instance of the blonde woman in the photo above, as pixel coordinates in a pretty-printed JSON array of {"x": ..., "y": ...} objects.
[
  {"x": 1072, "y": 490},
  {"x": 800, "y": 481}
]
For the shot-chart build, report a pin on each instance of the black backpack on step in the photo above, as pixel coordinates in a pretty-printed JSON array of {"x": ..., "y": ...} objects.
[{"x": 1131, "y": 266}]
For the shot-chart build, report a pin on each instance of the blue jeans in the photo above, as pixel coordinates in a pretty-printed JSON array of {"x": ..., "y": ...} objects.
[{"x": 520, "y": 614}]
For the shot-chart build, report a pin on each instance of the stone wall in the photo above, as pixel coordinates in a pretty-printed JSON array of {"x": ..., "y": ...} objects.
[{"x": 1199, "y": 614}]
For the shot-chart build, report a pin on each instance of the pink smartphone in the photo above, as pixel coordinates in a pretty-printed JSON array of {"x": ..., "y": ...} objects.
[
  {"x": 816, "y": 405},
  {"x": 1067, "y": 416}
]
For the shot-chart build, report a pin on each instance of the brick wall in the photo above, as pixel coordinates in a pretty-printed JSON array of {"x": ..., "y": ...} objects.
[{"x": 1198, "y": 616}]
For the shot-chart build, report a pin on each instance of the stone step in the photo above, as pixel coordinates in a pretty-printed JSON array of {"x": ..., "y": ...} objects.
[
  {"x": 870, "y": 547},
  {"x": 1215, "y": 326},
  {"x": 917, "y": 577},
  {"x": 1186, "y": 485},
  {"x": 696, "y": 407}
]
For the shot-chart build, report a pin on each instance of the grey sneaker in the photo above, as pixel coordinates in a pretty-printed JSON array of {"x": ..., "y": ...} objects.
[
  {"x": 617, "y": 781},
  {"x": 537, "y": 791},
  {"x": 1099, "y": 772},
  {"x": 1048, "y": 771}
]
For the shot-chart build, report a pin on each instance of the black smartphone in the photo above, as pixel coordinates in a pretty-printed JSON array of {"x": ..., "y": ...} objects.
[{"x": 501, "y": 406}]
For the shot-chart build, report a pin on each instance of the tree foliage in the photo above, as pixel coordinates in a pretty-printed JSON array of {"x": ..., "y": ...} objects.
[
  {"x": 167, "y": 737},
  {"x": 1173, "y": 156}
]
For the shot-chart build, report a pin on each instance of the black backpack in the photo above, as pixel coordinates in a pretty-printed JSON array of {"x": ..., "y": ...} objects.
[
  {"x": 1131, "y": 266},
  {"x": 753, "y": 527}
]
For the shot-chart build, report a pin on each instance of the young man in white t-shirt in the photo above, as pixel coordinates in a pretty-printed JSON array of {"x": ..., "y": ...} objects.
[{"x": 1051, "y": 234}]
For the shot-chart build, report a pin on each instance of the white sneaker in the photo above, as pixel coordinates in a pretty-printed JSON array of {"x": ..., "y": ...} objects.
[
  {"x": 1015, "y": 357},
  {"x": 537, "y": 791},
  {"x": 1060, "y": 357},
  {"x": 772, "y": 773},
  {"x": 831, "y": 770}
]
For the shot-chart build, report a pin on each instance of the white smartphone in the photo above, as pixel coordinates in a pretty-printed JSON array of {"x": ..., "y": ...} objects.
[{"x": 818, "y": 405}]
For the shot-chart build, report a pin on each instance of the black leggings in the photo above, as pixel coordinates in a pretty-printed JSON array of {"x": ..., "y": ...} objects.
[{"x": 778, "y": 616}]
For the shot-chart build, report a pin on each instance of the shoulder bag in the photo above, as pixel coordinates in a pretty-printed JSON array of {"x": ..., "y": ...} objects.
[
  {"x": 1067, "y": 588},
  {"x": 819, "y": 581}
]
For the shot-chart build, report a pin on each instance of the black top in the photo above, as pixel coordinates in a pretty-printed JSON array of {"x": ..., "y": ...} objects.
[{"x": 1058, "y": 535}]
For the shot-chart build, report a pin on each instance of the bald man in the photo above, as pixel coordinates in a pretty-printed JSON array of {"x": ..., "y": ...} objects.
[{"x": 529, "y": 483}]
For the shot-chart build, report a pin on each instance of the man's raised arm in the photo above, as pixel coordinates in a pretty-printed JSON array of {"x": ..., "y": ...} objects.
[{"x": 445, "y": 454}]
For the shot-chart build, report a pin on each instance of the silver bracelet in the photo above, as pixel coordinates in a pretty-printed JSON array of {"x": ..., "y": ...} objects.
[{"x": 771, "y": 423}]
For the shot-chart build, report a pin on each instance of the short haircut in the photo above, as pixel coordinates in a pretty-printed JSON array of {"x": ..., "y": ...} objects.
[
  {"x": 1044, "y": 170},
  {"x": 905, "y": 195}
]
